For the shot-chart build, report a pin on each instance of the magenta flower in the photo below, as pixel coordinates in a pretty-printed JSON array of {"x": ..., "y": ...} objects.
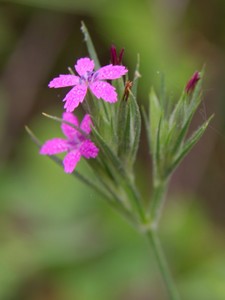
[
  {"x": 192, "y": 82},
  {"x": 76, "y": 144},
  {"x": 88, "y": 78}
]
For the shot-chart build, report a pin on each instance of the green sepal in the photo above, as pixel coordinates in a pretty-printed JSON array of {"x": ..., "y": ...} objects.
[
  {"x": 108, "y": 153},
  {"x": 135, "y": 127},
  {"x": 128, "y": 128},
  {"x": 188, "y": 145},
  {"x": 147, "y": 125},
  {"x": 120, "y": 87},
  {"x": 177, "y": 140},
  {"x": 187, "y": 105},
  {"x": 123, "y": 127},
  {"x": 195, "y": 97},
  {"x": 155, "y": 116}
]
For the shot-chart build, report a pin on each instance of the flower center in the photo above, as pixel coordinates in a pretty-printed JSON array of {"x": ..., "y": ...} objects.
[
  {"x": 89, "y": 77},
  {"x": 75, "y": 142}
]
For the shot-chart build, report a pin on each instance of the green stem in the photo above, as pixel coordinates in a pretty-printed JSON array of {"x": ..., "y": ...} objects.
[
  {"x": 137, "y": 201},
  {"x": 157, "y": 201},
  {"x": 162, "y": 264}
]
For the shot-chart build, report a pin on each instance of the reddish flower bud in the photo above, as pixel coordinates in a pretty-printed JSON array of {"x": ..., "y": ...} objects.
[
  {"x": 192, "y": 82},
  {"x": 116, "y": 59}
]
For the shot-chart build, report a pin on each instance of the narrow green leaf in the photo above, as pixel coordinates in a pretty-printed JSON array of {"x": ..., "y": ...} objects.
[
  {"x": 189, "y": 145},
  {"x": 178, "y": 114},
  {"x": 155, "y": 115},
  {"x": 33, "y": 137},
  {"x": 158, "y": 142},
  {"x": 120, "y": 87},
  {"x": 90, "y": 45},
  {"x": 136, "y": 127},
  {"x": 122, "y": 127},
  {"x": 109, "y": 154},
  {"x": 137, "y": 75},
  {"x": 147, "y": 125},
  {"x": 66, "y": 122},
  {"x": 129, "y": 128},
  {"x": 181, "y": 136}
]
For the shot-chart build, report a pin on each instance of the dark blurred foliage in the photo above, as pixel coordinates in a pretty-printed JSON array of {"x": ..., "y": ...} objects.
[{"x": 58, "y": 239}]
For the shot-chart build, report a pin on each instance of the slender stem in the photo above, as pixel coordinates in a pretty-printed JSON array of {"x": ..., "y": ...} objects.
[
  {"x": 157, "y": 201},
  {"x": 162, "y": 264},
  {"x": 156, "y": 204},
  {"x": 137, "y": 200}
]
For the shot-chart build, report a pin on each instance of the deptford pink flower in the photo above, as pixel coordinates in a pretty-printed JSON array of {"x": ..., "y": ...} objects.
[
  {"x": 116, "y": 59},
  {"x": 88, "y": 78},
  {"x": 76, "y": 144},
  {"x": 192, "y": 82}
]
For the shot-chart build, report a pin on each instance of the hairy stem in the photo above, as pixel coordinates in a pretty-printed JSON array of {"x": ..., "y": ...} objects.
[
  {"x": 157, "y": 201},
  {"x": 162, "y": 264}
]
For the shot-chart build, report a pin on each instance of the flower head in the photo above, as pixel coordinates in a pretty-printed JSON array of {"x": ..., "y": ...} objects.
[
  {"x": 116, "y": 59},
  {"x": 88, "y": 78},
  {"x": 192, "y": 82},
  {"x": 76, "y": 144}
]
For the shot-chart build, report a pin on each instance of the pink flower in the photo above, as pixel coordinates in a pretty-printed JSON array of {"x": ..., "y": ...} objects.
[
  {"x": 76, "y": 144},
  {"x": 192, "y": 82},
  {"x": 88, "y": 78}
]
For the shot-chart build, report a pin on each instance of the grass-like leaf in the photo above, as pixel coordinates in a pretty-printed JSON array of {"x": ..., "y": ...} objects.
[
  {"x": 66, "y": 122},
  {"x": 137, "y": 75},
  {"x": 90, "y": 45},
  {"x": 155, "y": 114},
  {"x": 109, "y": 154},
  {"x": 136, "y": 127},
  {"x": 188, "y": 145}
]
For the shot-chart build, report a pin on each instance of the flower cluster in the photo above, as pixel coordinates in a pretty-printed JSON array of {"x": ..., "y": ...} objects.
[
  {"x": 116, "y": 131},
  {"x": 78, "y": 143}
]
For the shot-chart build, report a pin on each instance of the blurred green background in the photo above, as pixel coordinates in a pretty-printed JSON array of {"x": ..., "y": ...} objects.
[{"x": 59, "y": 240}]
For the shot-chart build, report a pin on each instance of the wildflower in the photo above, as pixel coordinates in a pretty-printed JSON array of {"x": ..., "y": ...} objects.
[
  {"x": 192, "y": 82},
  {"x": 116, "y": 60},
  {"x": 88, "y": 79},
  {"x": 76, "y": 144}
]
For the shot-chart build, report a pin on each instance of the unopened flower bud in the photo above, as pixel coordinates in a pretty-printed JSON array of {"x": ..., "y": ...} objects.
[
  {"x": 192, "y": 82},
  {"x": 116, "y": 59}
]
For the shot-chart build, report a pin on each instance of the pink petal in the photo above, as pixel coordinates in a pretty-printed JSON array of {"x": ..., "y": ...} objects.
[
  {"x": 84, "y": 65},
  {"x": 63, "y": 81},
  {"x": 88, "y": 149},
  {"x": 86, "y": 124},
  {"x": 111, "y": 72},
  {"x": 74, "y": 97},
  {"x": 104, "y": 90},
  {"x": 69, "y": 131},
  {"x": 54, "y": 146},
  {"x": 70, "y": 161}
]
